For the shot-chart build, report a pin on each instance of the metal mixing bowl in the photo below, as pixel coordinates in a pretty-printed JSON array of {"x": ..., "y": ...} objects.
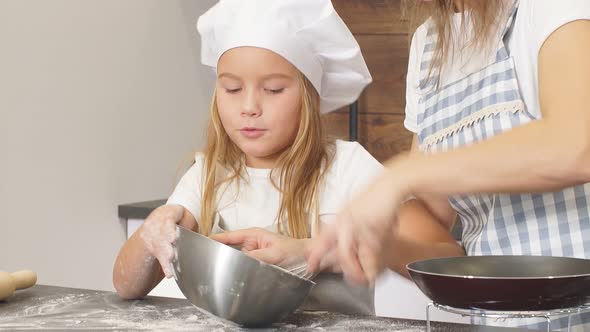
[{"x": 231, "y": 285}]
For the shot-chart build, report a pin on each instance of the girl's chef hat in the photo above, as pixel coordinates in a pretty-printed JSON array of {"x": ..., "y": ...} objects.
[{"x": 308, "y": 33}]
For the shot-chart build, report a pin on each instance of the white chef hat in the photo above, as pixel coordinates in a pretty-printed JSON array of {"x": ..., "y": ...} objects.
[{"x": 307, "y": 33}]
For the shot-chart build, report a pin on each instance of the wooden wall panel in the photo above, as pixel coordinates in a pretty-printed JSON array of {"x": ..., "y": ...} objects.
[
  {"x": 383, "y": 38},
  {"x": 372, "y": 16},
  {"x": 383, "y": 135},
  {"x": 387, "y": 59}
]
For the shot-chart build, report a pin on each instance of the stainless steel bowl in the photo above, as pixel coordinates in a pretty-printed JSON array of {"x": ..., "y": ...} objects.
[{"x": 231, "y": 285}]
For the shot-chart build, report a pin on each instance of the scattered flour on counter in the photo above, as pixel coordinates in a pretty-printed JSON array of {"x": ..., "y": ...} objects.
[
  {"x": 107, "y": 312},
  {"x": 85, "y": 311},
  {"x": 50, "y": 305},
  {"x": 329, "y": 321},
  {"x": 169, "y": 323}
]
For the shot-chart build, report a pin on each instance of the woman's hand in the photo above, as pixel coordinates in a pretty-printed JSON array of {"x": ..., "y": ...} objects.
[
  {"x": 362, "y": 231},
  {"x": 159, "y": 234},
  {"x": 264, "y": 245}
]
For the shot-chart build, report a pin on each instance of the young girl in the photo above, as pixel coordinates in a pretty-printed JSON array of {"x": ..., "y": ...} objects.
[
  {"x": 498, "y": 97},
  {"x": 267, "y": 163}
]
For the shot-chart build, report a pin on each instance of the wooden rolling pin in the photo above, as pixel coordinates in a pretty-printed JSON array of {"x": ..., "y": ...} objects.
[{"x": 11, "y": 282}]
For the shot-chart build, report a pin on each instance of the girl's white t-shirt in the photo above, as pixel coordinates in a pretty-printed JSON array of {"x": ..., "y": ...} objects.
[
  {"x": 535, "y": 21},
  {"x": 257, "y": 202}
]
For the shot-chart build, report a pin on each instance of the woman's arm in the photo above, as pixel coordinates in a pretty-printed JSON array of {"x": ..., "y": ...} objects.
[
  {"x": 419, "y": 236},
  {"x": 423, "y": 232},
  {"x": 541, "y": 156},
  {"x": 437, "y": 205},
  {"x": 138, "y": 267}
]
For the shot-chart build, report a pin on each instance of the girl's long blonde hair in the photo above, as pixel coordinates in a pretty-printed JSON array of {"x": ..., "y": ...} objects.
[
  {"x": 299, "y": 169},
  {"x": 485, "y": 16}
]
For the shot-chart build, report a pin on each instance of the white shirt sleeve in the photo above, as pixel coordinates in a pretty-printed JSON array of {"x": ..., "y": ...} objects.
[
  {"x": 546, "y": 16},
  {"x": 188, "y": 190},
  {"x": 413, "y": 81}
]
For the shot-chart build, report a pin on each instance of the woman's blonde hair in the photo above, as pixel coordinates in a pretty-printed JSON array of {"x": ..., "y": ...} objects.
[
  {"x": 485, "y": 16},
  {"x": 297, "y": 176}
]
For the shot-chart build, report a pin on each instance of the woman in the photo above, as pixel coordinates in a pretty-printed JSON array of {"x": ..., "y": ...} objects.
[{"x": 498, "y": 97}]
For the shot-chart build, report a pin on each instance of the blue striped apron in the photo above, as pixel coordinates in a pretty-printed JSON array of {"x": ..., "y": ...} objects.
[{"x": 473, "y": 109}]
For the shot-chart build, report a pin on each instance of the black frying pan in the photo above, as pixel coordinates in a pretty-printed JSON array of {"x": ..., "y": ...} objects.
[{"x": 518, "y": 283}]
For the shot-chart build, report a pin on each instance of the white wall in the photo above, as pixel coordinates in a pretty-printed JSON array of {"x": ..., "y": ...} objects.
[{"x": 100, "y": 100}]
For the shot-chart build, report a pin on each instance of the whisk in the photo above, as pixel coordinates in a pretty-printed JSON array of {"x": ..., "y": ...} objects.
[{"x": 299, "y": 268}]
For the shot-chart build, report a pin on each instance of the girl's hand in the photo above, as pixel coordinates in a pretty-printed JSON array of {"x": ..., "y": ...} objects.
[
  {"x": 158, "y": 233},
  {"x": 362, "y": 231},
  {"x": 267, "y": 246}
]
